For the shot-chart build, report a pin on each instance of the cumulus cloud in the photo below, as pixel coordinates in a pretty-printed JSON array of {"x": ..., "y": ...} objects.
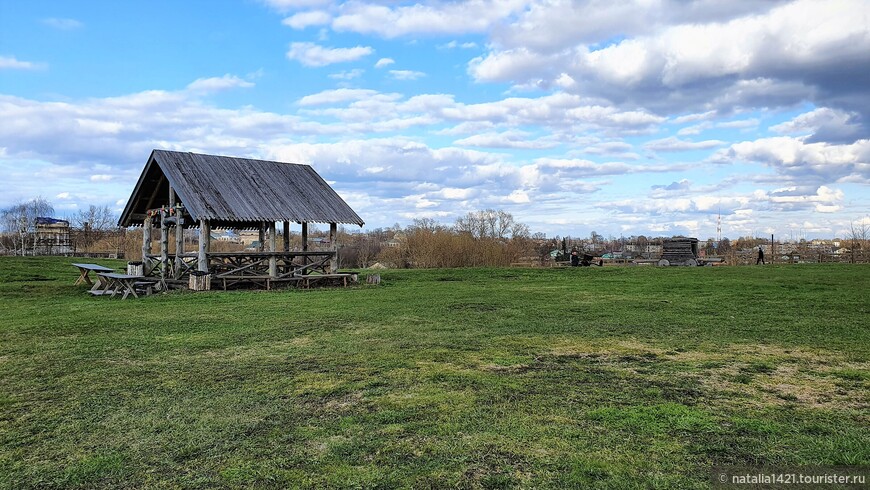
[
  {"x": 310, "y": 54},
  {"x": 565, "y": 116},
  {"x": 217, "y": 84},
  {"x": 120, "y": 130},
  {"x": 384, "y": 62},
  {"x": 822, "y": 199},
  {"x": 778, "y": 56},
  {"x": 302, "y": 20},
  {"x": 819, "y": 163},
  {"x": 823, "y": 124}
]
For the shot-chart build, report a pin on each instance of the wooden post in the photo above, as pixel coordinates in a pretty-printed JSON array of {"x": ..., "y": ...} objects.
[
  {"x": 146, "y": 241},
  {"x": 262, "y": 237},
  {"x": 172, "y": 201},
  {"x": 204, "y": 242},
  {"x": 273, "y": 245},
  {"x": 304, "y": 236},
  {"x": 286, "y": 236},
  {"x": 164, "y": 244},
  {"x": 179, "y": 241},
  {"x": 333, "y": 234}
]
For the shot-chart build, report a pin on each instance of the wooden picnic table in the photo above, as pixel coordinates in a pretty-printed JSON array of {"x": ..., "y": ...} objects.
[
  {"x": 123, "y": 283},
  {"x": 85, "y": 270}
]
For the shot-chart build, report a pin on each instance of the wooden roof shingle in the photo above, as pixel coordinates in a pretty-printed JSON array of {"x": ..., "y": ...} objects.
[{"x": 233, "y": 192}]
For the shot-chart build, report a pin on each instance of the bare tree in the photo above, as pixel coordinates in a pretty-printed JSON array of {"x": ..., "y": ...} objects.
[
  {"x": 490, "y": 223},
  {"x": 92, "y": 224},
  {"x": 19, "y": 221},
  {"x": 858, "y": 236}
]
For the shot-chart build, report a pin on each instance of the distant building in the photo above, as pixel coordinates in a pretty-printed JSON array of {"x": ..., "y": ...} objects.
[
  {"x": 248, "y": 237},
  {"x": 228, "y": 236},
  {"x": 52, "y": 237}
]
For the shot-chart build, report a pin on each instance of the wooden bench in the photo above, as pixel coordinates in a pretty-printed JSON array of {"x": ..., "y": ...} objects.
[
  {"x": 307, "y": 280},
  {"x": 84, "y": 274},
  {"x": 125, "y": 284}
]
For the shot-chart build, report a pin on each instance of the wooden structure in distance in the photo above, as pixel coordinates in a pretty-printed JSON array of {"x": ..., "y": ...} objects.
[{"x": 179, "y": 190}]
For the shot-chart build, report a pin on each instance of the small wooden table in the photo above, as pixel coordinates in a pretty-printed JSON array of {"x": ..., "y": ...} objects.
[
  {"x": 84, "y": 271},
  {"x": 121, "y": 283}
]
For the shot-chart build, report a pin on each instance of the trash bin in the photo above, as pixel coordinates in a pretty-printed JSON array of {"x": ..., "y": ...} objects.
[
  {"x": 199, "y": 281},
  {"x": 135, "y": 268}
]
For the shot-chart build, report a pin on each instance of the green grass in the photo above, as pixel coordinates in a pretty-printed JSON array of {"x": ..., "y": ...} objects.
[{"x": 473, "y": 378}]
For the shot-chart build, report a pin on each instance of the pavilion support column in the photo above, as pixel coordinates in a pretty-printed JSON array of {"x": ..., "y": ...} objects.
[
  {"x": 262, "y": 237},
  {"x": 164, "y": 245},
  {"x": 173, "y": 200},
  {"x": 273, "y": 247},
  {"x": 304, "y": 236},
  {"x": 146, "y": 243},
  {"x": 333, "y": 234},
  {"x": 179, "y": 242},
  {"x": 204, "y": 245},
  {"x": 286, "y": 236}
]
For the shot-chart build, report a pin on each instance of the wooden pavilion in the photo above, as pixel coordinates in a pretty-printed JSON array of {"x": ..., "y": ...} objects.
[{"x": 179, "y": 190}]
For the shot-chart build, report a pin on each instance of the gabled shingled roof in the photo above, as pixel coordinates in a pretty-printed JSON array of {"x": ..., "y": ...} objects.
[{"x": 235, "y": 192}]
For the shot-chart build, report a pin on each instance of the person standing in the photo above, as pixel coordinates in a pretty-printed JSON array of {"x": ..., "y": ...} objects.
[
  {"x": 760, "y": 259},
  {"x": 575, "y": 259}
]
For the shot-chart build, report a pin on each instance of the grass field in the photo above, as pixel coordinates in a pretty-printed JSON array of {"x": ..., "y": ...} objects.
[{"x": 474, "y": 378}]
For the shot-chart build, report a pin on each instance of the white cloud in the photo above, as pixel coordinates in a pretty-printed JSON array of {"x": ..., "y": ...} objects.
[
  {"x": 217, "y": 84},
  {"x": 778, "y": 57},
  {"x": 302, "y": 20},
  {"x": 751, "y": 123},
  {"x": 406, "y": 74},
  {"x": 384, "y": 62},
  {"x": 12, "y": 63},
  {"x": 822, "y": 199},
  {"x": 508, "y": 139},
  {"x": 519, "y": 65},
  {"x": 435, "y": 18},
  {"x": 810, "y": 162},
  {"x": 675, "y": 144},
  {"x": 347, "y": 74},
  {"x": 310, "y": 54},
  {"x": 565, "y": 116},
  {"x": 336, "y": 96},
  {"x": 284, "y": 5},
  {"x": 458, "y": 45},
  {"x": 824, "y": 123},
  {"x": 456, "y": 194},
  {"x": 694, "y": 117}
]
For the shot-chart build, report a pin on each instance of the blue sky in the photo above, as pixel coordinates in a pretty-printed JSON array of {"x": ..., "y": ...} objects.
[{"x": 622, "y": 118}]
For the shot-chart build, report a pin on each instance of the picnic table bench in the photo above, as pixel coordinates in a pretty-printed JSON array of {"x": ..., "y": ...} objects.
[
  {"x": 84, "y": 277},
  {"x": 124, "y": 284}
]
